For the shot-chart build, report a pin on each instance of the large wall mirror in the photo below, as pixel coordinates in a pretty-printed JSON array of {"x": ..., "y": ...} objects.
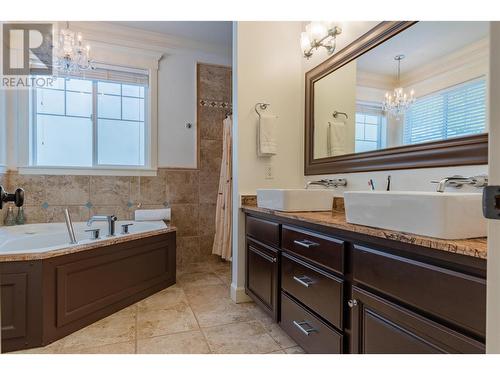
[{"x": 404, "y": 95}]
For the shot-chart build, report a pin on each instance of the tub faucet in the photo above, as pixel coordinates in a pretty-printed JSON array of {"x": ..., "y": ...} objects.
[
  {"x": 111, "y": 219},
  {"x": 459, "y": 181},
  {"x": 17, "y": 197}
]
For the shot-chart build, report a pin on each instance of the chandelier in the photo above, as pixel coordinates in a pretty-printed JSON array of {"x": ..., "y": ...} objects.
[
  {"x": 319, "y": 34},
  {"x": 71, "y": 53},
  {"x": 398, "y": 102}
]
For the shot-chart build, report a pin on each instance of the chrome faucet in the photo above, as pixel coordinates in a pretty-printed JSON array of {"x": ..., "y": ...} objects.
[
  {"x": 335, "y": 182},
  {"x": 69, "y": 225},
  {"x": 111, "y": 219},
  {"x": 17, "y": 197},
  {"x": 458, "y": 181}
]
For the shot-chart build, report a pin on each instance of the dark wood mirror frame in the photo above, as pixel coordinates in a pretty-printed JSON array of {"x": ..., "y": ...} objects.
[{"x": 452, "y": 152}]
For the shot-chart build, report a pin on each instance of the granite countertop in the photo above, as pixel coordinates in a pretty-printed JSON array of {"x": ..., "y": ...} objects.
[
  {"x": 475, "y": 247},
  {"x": 84, "y": 246}
]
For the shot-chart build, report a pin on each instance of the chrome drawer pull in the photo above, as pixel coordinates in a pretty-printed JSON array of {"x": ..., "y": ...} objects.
[
  {"x": 352, "y": 303},
  {"x": 306, "y": 243},
  {"x": 305, "y": 331},
  {"x": 303, "y": 280}
]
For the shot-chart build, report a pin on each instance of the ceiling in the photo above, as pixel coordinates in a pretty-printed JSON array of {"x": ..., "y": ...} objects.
[
  {"x": 421, "y": 44},
  {"x": 217, "y": 33}
]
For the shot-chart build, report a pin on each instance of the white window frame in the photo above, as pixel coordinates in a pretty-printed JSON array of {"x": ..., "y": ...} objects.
[
  {"x": 125, "y": 57},
  {"x": 377, "y": 110}
]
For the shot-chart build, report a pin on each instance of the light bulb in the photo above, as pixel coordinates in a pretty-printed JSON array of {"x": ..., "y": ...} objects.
[
  {"x": 305, "y": 42},
  {"x": 318, "y": 31}
]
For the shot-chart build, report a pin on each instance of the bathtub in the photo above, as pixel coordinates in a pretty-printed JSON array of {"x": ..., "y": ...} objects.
[
  {"x": 40, "y": 238},
  {"x": 51, "y": 288}
]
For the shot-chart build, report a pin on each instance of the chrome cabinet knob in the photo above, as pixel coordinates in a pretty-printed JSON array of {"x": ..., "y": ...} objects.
[{"x": 352, "y": 303}]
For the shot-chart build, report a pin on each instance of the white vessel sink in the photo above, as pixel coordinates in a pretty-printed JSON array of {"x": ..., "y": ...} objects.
[
  {"x": 295, "y": 199},
  {"x": 440, "y": 215}
]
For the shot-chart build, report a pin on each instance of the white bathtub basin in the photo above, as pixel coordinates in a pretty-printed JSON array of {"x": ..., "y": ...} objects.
[
  {"x": 441, "y": 215},
  {"x": 295, "y": 199},
  {"x": 36, "y": 238}
]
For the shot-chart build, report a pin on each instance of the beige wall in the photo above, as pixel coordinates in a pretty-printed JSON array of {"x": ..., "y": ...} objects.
[
  {"x": 335, "y": 92},
  {"x": 493, "y": 280},
  {"x": 267, "y": 69}
]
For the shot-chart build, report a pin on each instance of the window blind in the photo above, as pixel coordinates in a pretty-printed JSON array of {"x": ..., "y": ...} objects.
[
  {"x": 104, "y": 72},
  {"x": 457, "y": 111},
  {"x": 111, "y": 74}
]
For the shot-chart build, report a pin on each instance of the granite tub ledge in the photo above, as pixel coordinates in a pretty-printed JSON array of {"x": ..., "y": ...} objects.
[
  {"x": 474, "y": 247},
  {"x": 71, "y": 249}
]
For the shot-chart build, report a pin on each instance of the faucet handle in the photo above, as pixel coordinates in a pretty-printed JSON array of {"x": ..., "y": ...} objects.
[
  {"x": 125, "y": 228},
  {"x": 480, "y": 181},
  {"x": 94, "y": 233}
]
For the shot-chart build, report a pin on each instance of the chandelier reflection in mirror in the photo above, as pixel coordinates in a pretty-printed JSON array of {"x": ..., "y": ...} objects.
[
  {"x": 398, "y": 102},
  {"x": 319, "y": 34},
  {"x": 71, "y": 53}
]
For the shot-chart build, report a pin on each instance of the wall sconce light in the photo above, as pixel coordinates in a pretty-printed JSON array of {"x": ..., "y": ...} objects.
[{"x": 319, "y": 34}]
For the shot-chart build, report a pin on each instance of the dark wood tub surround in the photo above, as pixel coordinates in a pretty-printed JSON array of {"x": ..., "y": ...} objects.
[
  {"x": 340, "y": 291},
  {"x": 44, "y": 300}
]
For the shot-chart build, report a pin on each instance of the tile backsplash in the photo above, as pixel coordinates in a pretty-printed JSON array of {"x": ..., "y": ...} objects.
[{"x": 192, "y": 194}]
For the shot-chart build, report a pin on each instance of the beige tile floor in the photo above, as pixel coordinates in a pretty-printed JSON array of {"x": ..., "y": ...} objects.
[{"x": 192, "y": 317}]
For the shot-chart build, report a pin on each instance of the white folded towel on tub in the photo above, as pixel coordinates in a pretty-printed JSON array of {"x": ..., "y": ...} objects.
[
  {"x": 152, "y": 215},
  {"x": 266, "y": 134}
]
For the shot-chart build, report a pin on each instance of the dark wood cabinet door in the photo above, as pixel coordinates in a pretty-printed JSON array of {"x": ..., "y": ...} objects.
[
  {"x": 262, "y": 276},
  {"x": 21, "y": 305},
  {"x": 382, "y": 327}
]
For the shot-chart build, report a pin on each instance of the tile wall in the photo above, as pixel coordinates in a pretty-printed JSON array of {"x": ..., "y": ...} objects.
[{"x": 192, "y": 194}]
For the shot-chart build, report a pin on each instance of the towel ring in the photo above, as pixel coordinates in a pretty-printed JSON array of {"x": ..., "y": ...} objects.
[
  {"x": 336, "y": 114},
  {"x": 261, "y": 106}
]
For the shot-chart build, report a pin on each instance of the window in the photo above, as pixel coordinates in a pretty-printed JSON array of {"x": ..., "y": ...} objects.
[
  {"x": 96, "y": 121},
  {"x": 370, "y": 128},
  {"x": 457, "y": 111}
]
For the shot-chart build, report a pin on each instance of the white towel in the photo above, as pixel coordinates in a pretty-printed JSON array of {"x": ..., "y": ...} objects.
[
  {"x": 152, "y": 215},
  {"x": 266, "y": 142},
  {"x": 337, "y": 135}
]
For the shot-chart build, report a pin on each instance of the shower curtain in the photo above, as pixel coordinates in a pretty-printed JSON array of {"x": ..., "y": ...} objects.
[{"x": 223, "y": 219}]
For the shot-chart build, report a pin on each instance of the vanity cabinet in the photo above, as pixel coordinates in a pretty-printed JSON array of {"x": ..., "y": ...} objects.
[
  {"x": 262, "y": 276},
  {"x": 262, "y": 264},
  {"x": 335, "y": 291},
  {"x": 382, "y": 327}
]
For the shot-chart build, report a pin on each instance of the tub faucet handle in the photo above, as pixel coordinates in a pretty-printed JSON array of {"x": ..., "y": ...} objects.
[
  {"x": 125, "y": 228},
  {"x": 94, "y": 233}
]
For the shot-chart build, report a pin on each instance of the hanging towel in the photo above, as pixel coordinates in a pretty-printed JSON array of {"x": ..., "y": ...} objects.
[
  {"x": 266, "y": 135},
  {"x": 336, "y": 138},
  {"x": 223, "y": 213}
]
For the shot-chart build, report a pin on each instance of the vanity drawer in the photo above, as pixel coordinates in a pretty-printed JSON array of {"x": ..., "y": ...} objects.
[
  {"x": 316, "y": 289},
  {"x": 324, "y": 251},
  {"x": 309, "y": 332},
  {"x": 452, "y": 296},
  {"x": 263, "y": 230}
]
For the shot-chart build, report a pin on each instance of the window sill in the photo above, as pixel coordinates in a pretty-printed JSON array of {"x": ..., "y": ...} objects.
[
  {"x": 3, "y": 169},
  {"x": 88, "y": 171}
]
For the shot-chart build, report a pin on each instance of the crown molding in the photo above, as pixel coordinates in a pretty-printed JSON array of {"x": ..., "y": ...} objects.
[
  {"x": 374, "y": 80},
  {"x": 126, "y": 36},
  {"x": 472, "y": 54}
]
